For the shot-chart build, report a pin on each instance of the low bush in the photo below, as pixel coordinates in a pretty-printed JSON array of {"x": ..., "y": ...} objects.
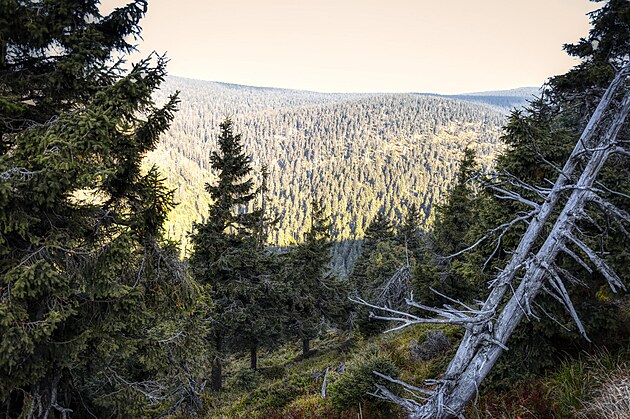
[
  {"x": 352, "y": 387},
  {"x": 245, "y": 379}
]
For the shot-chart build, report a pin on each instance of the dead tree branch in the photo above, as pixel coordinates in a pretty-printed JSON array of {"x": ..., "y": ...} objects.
[{"x": 495, "y": 321}]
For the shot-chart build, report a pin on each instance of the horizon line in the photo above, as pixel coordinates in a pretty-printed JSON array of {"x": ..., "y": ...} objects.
[{"x": 479, "y": 93}]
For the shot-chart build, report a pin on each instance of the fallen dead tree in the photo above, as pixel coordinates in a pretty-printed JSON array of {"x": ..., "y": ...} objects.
[{"x": 489, "y": 327}]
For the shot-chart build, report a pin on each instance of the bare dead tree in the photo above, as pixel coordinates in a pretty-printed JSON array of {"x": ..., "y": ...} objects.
[{"x": 489, "y": 327}]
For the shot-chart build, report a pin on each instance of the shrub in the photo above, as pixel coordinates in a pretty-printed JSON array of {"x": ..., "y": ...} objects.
[
  {"x": 274, "y": 396},
  {"x": 353, "y": 386}
]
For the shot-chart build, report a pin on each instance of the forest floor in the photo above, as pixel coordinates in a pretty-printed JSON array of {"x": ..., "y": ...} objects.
[{"x": 288, "y": 386}]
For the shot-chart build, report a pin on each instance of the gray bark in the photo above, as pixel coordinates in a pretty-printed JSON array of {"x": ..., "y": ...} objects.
[{"x": 489, "y": 328}]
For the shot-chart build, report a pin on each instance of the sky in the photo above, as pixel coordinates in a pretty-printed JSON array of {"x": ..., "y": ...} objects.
[{"x": 438, "y": 46}]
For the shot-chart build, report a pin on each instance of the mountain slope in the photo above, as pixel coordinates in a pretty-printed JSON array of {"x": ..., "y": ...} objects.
[
  {"x": 503, "y": 100},
  {"x": 360, "y": 152}
]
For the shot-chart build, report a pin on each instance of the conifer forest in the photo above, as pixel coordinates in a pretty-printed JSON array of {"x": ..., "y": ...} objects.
[{"x": 180, "y": 248}]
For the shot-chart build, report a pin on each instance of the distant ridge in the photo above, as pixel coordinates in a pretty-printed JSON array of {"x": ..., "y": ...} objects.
[
  {"x": 527, "y": 92},
  {"x": 519, "y": 91}
]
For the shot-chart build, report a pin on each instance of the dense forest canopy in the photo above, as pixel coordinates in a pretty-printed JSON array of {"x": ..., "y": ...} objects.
[{"x": 360, "y": 153}]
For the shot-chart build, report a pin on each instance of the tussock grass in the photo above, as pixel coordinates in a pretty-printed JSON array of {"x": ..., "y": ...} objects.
[
  {"x": 593, "y": 386},
  {"x": 611, "y": 397}
]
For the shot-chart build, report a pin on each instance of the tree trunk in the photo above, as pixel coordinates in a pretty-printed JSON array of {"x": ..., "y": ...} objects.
[
  {"x": 306, "y": 347},
  {"x": 216, "y": 375},
  {"x": 488, "y": 329},
  {"x": 253, "y": 357},
  {"x": 483, "y": 343},
  {"x": 44, "y": 403}
]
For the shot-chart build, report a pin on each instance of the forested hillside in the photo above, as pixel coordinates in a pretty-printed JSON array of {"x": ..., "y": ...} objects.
[
  {"x": 360, "y": 153},
  {"x": 503, "y": 100}
]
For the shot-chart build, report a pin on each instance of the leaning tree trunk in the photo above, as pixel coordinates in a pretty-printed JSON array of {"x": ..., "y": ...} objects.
[{"x": 489, "y": 328}]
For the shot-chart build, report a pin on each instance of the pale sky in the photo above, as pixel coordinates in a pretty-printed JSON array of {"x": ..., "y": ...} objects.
[{"x": 441, "y": 46}]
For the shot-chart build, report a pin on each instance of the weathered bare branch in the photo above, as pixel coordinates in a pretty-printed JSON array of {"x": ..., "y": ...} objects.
[
  {"x": 575, "y": 257},
  {"x": 503, "y": 228},
  {"x": 17, "y": 171},
  {"x": 558, "y": 285},
  {"x": 513, "y": 196},
  {"x": 448, "y": 315},
  {"x": 612, "y": 278},
  {"x": 474, "y": 358},
  {"x": 541, "y": 308},
  {"x": 405, "y": 385},
  {"x": 383, "y": 393},
  {"x": 622, "y": 151},
  {"x": 397, "y": 286},
  {"x": 325, "y": 382},
  {"x": 607, "y": 206},
  {"x": 563, "y": 273}
]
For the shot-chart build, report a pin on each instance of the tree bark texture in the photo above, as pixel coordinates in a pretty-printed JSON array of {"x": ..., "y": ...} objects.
[
  {"x": 489, "y": 328},
  {"x": 484, "y": 342},
  {"x": 306, "y": 348},
  {"x": 217, "y": 370},
  {"x": 253, "y": 357}
]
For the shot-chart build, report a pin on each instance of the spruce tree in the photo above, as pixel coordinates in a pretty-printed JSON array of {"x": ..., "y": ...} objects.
[
  {"x": 456, "y": 216},
  {"x": 312, "y": 282},
  {"x": 379, "y": 230},
  {"x": 94, "y": 304},
  {"x": 230, "y": 254},
  {"x": 264, "y": 315},
  {"x": 457, "y": 224},
  {"x": 409, "y": 234},
  {"x": 380, "y": 256}
]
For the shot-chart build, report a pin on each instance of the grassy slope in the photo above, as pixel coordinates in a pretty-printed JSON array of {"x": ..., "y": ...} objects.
[{"x": 286, "y": 386}]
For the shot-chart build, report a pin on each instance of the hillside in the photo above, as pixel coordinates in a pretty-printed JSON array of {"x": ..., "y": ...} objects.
[
  {"x": 360, "y": 152},
  {"x": 503, "y": 100}
]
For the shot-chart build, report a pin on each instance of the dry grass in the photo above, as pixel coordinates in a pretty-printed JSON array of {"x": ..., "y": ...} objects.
[{"x": 611, "y": 400}]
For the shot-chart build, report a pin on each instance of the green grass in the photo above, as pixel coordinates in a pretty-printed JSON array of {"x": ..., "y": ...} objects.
[{"x": 287, "y": 386}]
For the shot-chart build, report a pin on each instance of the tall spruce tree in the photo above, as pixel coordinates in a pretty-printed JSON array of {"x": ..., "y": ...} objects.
[
  {"x": 409, "y": 234},
  {"x": 381, "y": 255},
  {"x": 265, "y": 314},
  {"x": 97, "y": 315},
  {"x": 456, "y": 226},
  {"x": 456, "y": 216},
  {"x": 230, "y": 254},
  {"x": 379, "y": 230}
]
